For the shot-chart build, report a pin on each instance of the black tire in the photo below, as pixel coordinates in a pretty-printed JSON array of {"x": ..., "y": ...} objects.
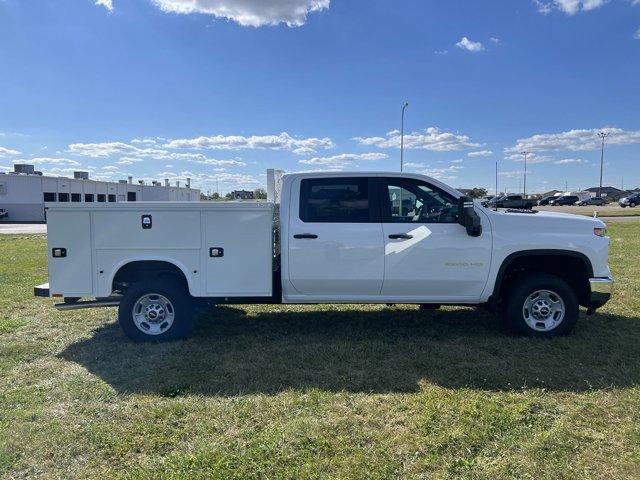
[
  {"x": 180, "y": 306},
  {"x": 632, "y": 205},
  {"x": 524, "y": 286}
]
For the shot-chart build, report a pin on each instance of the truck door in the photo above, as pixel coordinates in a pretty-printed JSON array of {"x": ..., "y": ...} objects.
[
  {"x": 335, "y": 246},
  {"x": 428, "y": 255}
]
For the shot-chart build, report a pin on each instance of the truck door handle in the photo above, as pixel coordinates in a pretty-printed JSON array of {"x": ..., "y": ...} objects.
[
  {"x": 305, "y": 235},
  {"x": 400, "y": 236}
]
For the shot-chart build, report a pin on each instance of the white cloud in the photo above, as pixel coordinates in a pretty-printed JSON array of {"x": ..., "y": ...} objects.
[
  {"x": 570, "y": 7},
  {"x": 106, "y": 149},
  {"x": 148, "y": 141},
  {"x": 414, "y": 165},
  {"x": 49, "y": 161},
  {"x": 217, "y": 163},
  {"x": 110, "y": 168},
  {"x": 441, "y": 52},
  {"x": 432, "y": 139},
  {"x": 128, "y": 161},
  {"x": 495, "y": 40},
  {"x": 574, "y": 140},
  {"x": 446, "y": 173},
  {"x": 514, "y": 173},
  {"x": 8, "y": 151},
  {"x": 532, "y": 157},
  {"x": 480, "y": 153},
  {"x": 249, "y": 13},
  {"x": 637, "y": 34},
  {"x": 108, "y": 4},
  {"x": 283, "y": 141},
  {"x": 343, "y": 160},
  {"x": 570, "y": 161},
  {"x": 441, "y": 173},
  {"x": 469, "y": 45}
]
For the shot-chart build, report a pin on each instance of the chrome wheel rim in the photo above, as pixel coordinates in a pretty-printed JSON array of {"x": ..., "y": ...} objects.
[
  {"x": 543, "y": 310},
  {"x": 153, "y": 314}
]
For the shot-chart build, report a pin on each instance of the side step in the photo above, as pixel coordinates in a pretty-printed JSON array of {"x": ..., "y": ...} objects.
[{"x": 97, "y": 303}]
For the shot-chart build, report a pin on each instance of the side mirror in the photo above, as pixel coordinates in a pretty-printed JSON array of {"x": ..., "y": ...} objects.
[{"x": 468, "y": 218}]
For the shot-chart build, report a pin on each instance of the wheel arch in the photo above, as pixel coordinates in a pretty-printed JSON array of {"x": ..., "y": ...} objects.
[
  {"x": 132, "y": 270},
  {"x": 552, "y": 261}
]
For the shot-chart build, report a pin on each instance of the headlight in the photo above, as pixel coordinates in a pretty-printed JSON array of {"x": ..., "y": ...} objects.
[{"x": 600, "y": 231}]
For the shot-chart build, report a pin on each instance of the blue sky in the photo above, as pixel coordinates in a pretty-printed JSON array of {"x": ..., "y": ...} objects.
[{"x": 223, "y": 89}]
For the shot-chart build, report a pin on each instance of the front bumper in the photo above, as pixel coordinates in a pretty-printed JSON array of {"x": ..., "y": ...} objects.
[{"x": 601, "y": 289}]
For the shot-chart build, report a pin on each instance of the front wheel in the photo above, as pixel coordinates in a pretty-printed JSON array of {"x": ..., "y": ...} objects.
[
  {"x": 632, "y": 205},
  {"x": 156, "y": 310},
  {"x": 541, "y": 305}
]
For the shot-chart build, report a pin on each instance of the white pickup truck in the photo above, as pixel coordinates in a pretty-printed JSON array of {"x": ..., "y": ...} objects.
[{"x": 333, "y": 238}]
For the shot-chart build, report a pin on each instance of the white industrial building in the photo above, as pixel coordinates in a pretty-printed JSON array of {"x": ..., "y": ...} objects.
[{"x": 24, "y": 192}]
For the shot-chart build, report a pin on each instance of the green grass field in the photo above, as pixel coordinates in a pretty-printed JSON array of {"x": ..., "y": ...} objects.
[{"x": 317, "y": 391}]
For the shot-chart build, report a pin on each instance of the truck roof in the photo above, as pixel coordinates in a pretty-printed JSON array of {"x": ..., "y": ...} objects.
[{"x": 443, "y": 186}]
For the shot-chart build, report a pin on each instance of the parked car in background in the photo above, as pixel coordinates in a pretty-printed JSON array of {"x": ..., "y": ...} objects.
[
  {"x": 599, "y": 201},
  {"x": 511, "y": 201},
  {"x": 564, "y": 200},
  {"x": 3, "y": 213},
  {"x": 570, "y": 198},
  {"x": 545, "y": 200},
  {"x": 630, "y": 201}
]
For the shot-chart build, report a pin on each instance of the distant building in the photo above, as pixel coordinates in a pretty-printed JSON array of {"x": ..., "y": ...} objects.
[
  {"x": 24, "y": 192},
  {"x": 242, "y": 195},
  {"x": 608, "y": 192}
]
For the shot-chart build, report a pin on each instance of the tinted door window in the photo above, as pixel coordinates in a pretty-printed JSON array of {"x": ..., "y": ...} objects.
[
  {"x": 335, "y": 200},
  {"x": 414, "y": 201}
]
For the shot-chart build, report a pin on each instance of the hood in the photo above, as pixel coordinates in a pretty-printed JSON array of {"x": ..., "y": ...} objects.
[{"x": 543, "y": 220}]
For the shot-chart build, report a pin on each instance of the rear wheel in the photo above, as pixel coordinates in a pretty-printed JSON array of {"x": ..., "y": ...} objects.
[
  {"x": 541, "y": 305},
  {"x": 632, "y": 204},
  {"x": 156, "y": 310}
]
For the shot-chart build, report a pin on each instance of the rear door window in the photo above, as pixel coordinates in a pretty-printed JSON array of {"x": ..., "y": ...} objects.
[{"x": 336, "y": 200}]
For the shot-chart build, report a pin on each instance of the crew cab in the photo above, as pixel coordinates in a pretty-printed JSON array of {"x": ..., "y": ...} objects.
[{"x": 330, "y": 238}]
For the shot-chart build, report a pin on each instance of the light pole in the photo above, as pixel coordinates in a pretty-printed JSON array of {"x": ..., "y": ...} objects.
[
  {"x": 524, "y": 154},
  {"x": 406, "y": 104},
  {"x": 603, "y": 136}
]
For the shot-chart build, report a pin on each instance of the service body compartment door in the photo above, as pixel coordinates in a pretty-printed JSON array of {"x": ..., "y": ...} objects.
[
  {"x": 146, "y": 229},
  {"x": 238, "y": 251},
  {"x": 70, "y": 272},
  {"x": 335, "y": 245}
]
